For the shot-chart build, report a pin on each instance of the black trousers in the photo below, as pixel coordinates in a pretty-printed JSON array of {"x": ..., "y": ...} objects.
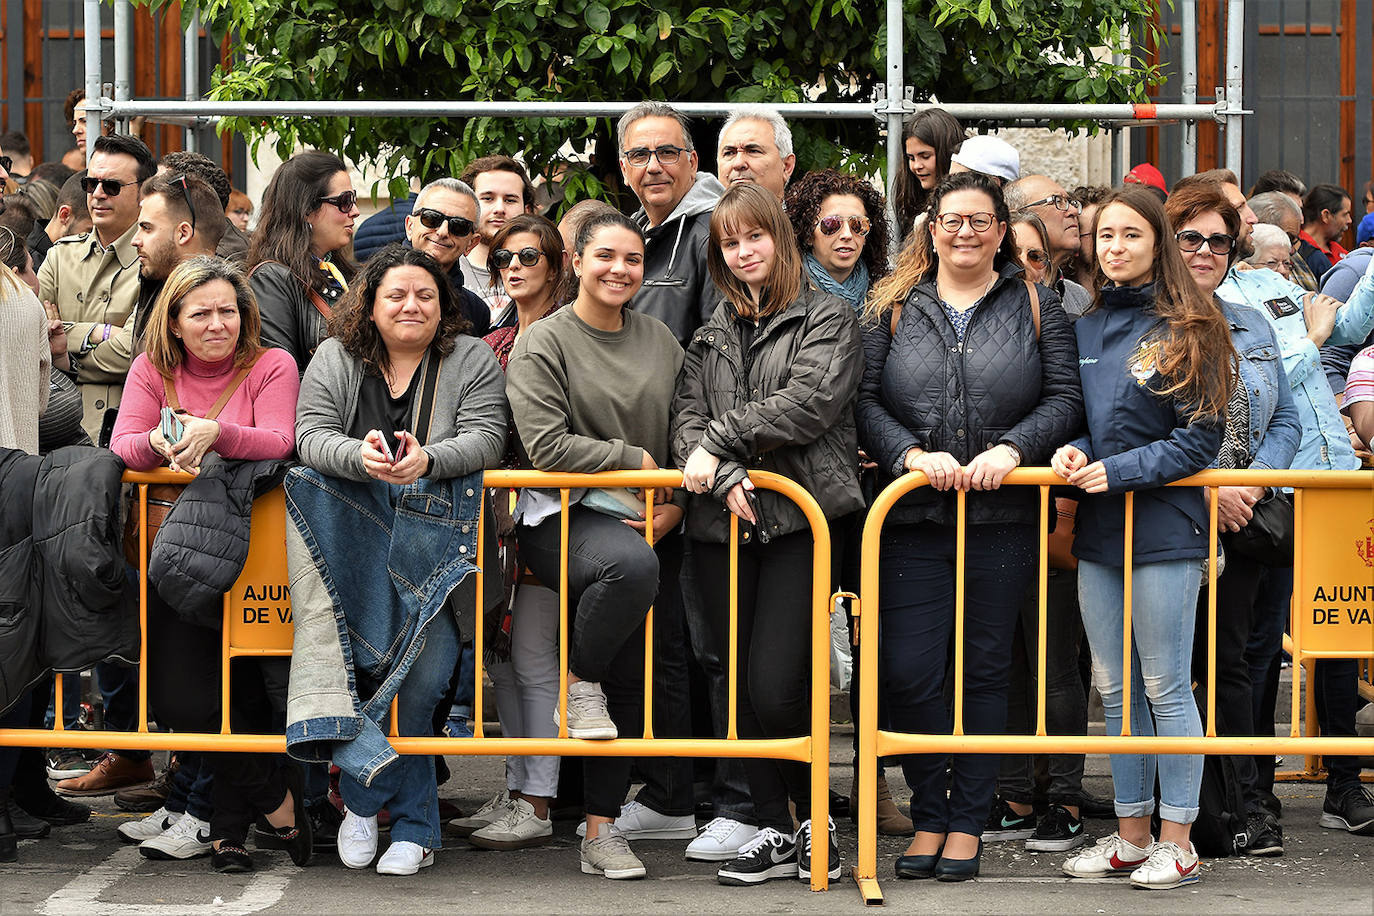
[
  {"x": 773, "y": 671},
  {"x": 184, "y": 692}
]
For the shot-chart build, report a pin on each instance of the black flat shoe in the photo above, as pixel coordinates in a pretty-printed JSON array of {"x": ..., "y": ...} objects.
[
  {"x": 298, "y": 840},
  {"x": 918, "y": 867},
  {"x": 231, "y": 859},
  {"x": 959, "y": 869},
  {"x": 26, "y": 826}
]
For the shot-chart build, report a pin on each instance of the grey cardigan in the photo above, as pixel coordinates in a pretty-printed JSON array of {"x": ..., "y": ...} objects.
[{"x": 468, "y": 432}]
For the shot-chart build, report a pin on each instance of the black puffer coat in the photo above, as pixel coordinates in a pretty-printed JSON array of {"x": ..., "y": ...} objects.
[
  {"x": 65, "y": 602},
  {"x": 785, "y": 405},
  {"x": 203, "y": 543},
  {"x": 925, "y": 389}
]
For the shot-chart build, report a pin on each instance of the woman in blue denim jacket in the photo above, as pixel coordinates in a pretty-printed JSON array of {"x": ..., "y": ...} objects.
[
  {"x": 1158, "y": 368},
  {"x": 1262, "y": 431},
  {"x": 399, "y": 414}
]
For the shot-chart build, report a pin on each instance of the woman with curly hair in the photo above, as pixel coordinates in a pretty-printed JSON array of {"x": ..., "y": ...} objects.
[
  {"x": 929, "y": 139},
  {"x": 841, "y": 228}
]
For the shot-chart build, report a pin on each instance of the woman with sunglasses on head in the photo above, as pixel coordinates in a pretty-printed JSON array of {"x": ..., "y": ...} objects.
[
  {"x": 522, "y": 647},
  {"x": 1262, "y": 431},
  {"x": 929, "y": 139},
  {"x": 300, "y": 261},
  {"x": 971, "y": 371},
  {"x": 768, "y": 383},
  {"x": 590, "y": 388},
  {"x": 1157, "y": 367}
]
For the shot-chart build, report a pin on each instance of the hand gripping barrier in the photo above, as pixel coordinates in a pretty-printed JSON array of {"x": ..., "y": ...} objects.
[
  {"x": 1333, "y": 598},
  {"x": 266, "y": 630}
]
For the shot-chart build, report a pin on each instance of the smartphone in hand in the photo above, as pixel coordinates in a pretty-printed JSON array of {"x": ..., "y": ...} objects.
[
  {"x": 386, "y": 448},
  {"x": 402, "y": 446},
  {"x": 170, "y": 426}
]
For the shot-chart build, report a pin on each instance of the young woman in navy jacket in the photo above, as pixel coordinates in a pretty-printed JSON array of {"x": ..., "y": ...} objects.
[{"x": 1157, "y": 366}]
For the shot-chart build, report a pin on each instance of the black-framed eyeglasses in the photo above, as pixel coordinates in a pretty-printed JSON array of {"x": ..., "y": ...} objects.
[
  {"x": 1059, "y": 202},
  {"x": 1190, "y": 240},
  {"x": 502, "y": 257},
  {"x": 344, "y": 200},
  {"x": 978, "y": 222},
  {"x": 186, "y": 193},
  {"x": 433, "y": 219},
  {"x": 111, "y": 186},
  {"x": 667, "y": 154},
  {"x": 829, "y": 225},
  {"x": 6, "y": 163}
]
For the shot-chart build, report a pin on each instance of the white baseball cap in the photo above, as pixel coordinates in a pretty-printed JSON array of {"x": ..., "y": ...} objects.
[{"x": 989, "y": 156}]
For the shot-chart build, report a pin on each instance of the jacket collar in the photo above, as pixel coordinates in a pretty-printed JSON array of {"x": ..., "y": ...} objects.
[{"x": 123, "y": 247}]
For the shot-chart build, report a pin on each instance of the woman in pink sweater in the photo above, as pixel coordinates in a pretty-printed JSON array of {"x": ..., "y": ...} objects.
[{"x": 238, "y": 400}]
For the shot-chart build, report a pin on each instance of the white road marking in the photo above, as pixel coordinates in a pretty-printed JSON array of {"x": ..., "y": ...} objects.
[{"x": 82, "y": 893}]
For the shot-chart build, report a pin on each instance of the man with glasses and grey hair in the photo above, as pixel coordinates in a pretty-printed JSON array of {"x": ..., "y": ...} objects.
[
  {"x": 756, "y": 145},
  {"x": 443, "y": 224},
  {"x": 1057, "y": 209},
  {"x": 1278, "y": 208},
  {"x": 659, "y": 163}
]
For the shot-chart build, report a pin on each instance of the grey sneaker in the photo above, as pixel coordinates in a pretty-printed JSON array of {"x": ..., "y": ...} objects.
[
  {"x": 520, "y": 828},
  {"x": 610, "y": 855},
  {"x": 587, "y": 715},
  {"x": 485, "y": 816}
]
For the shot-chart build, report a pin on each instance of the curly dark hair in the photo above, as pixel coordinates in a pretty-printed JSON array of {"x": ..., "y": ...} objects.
[
  {"x": 804, "y": 201},
  {"x": 352, "y": 320}
]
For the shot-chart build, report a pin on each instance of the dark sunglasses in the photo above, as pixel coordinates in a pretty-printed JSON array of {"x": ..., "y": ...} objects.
[
  {"x": 6, "y": 163},
  {"x": 529, "y": 257},
  {"x": 829, "y": 225},
  {"x": 344, "y": 200},
  {"x": 1036, "y": 256},
  {"x": 111, "y": 186},
  {"x": 433, "y": 219},
  {"x": 186, "y": 193},
  {"x": 1190, "y": 240}
]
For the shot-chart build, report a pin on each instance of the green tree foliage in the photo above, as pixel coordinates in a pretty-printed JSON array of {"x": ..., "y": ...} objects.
[{"x": 678, "y": 50}]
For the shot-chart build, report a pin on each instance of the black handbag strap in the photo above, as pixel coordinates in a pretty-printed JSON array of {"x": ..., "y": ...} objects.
[{"x": 424, "y": 410}]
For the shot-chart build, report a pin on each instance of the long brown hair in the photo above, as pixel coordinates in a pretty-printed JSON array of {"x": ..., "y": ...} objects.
[
  {"x": 918, "y": 261},
  {"x": 939, "y": 130},
  {"x": 747, "y": 205},
  {"x": 284, "y": 232},
  {"x": 1196, "y": 357},
  {"x": 165, "y": 351}
]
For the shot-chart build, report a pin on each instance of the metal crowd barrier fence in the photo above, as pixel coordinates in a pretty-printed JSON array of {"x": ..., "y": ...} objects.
[
  {"x": 264, "y": 629},
  {"x": 1333, "y": 594}
]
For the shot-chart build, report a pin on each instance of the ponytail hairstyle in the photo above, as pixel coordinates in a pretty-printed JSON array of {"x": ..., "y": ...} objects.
[
  {"x": 939, "y": 130},
  {"x": 1196, "y": 358},
  {"x": 747, "y": 205},
  {"x": 918, "y": 261}
]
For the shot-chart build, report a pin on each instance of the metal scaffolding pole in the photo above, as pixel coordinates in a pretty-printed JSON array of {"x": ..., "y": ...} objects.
[
  {"x": 1235, "y": 61},
  {"x": 93, "y": 71},
  {"x": 896, "y": 90},
  {"x": 123, "y": 52},
  {"x": 192, "y": 73},
  {"x": 1188, "y": 90}
]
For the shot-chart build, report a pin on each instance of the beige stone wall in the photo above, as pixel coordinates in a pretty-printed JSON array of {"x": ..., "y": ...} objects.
[{"x": 1072, "y": 161}]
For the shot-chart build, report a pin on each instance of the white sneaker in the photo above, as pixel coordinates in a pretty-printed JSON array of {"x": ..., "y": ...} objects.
[
  {"x": 357, "y": 840},
  {"x": 188, "y": 838},
  {"x": 1169, "y": 866},
  {"x": 148, "y": 827},
  {"x": 640, "y": 822},
  {"x": 1109, "y": 856},
  {"x": 587, "y": 715},
  {"x": 403, "y": 858},
  {"x": 488, "y": 814},
  {"x": 520, "y": 828},
  {"x": 720, "y": 840}
]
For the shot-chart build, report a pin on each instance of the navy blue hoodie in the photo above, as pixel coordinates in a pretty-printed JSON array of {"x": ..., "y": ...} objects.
[{"x": 1143, "y": 439}]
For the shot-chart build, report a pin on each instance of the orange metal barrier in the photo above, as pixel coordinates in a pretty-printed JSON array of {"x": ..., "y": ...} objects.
[
  {"x": 267, "y": 631},
  {"x": 1333, "y": 508}
]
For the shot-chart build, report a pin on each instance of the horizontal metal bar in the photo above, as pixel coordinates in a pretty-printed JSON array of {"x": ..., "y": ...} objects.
[
  {"x": 891, "y": 743},
  {"x": 976, "y": 111}
]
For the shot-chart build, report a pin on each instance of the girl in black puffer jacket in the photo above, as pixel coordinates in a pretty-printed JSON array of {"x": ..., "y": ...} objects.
[
  {"x": 768, "y": 384},
  {"x": 964, "y": 381}
]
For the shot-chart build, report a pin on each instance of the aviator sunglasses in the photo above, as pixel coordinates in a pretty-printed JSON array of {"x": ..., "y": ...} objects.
[{"x": 830, "y": 225}]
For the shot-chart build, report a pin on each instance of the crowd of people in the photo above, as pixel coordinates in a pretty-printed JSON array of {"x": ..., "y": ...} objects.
[{"x": 1127, "y": 337}]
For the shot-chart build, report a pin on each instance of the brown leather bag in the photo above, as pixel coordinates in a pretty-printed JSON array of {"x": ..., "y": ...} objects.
[{"x": 162, "y": 496}]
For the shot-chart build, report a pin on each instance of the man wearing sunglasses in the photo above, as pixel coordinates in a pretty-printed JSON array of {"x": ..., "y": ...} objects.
[
  {"x": 179, "y": 218},
  {"x": 93, "y": 278},
  {"x": 659, "y": 163},
  {"x": 233, "y": 243},
  {"x": 443, "y": 224}
]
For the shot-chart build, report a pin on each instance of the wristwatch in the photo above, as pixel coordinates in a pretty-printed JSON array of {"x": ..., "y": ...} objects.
[{"x": 1015, "y": 452}]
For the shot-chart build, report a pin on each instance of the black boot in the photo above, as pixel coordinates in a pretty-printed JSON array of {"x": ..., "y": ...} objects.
[{"x": 9, "y": 843}]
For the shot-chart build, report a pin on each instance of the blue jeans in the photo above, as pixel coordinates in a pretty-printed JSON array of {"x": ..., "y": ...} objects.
[
  {"x": 189, "y": 792},
  {"x": 915, "y": 645},
  {"x": 1162, "y": 621},
  {"x": 408, "y": 788}
]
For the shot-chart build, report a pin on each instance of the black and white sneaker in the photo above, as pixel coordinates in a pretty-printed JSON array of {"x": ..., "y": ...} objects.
[
  {"x": 1005, "y": 824},
  {"x": 1263, "y": 835},
  {"x": 1057, "y": 831},
  {"x": 767, "y": 856},
  {"x": 1350, "y": 809},
  {"x": 803, "y": 842}
]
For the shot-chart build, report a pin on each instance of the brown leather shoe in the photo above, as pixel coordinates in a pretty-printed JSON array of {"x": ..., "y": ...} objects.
[
  {"x": 110, "y": 774},
  {"x": 149, "y": 797}
]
